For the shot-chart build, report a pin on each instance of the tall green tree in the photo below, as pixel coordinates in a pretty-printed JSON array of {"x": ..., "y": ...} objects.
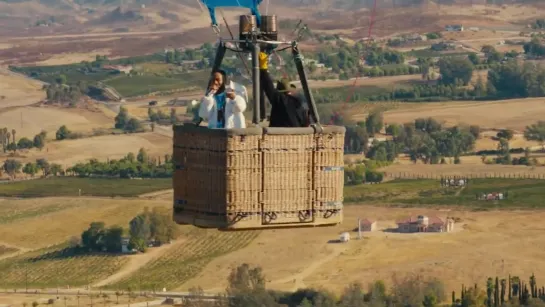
[{"x": 535, "y": 132}]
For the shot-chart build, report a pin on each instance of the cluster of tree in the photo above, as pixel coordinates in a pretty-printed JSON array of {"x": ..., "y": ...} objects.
[
  {"x": 534, "y": 132},
  {"x": 511, "y": 291},
  {"x": 362, "y": 173},
  {"x": 204, "y": 54},
  {"x": 514, "y": 79},
  {"x": 427, "y": 140},
  {"x": 159, "y": 116},
  {"x": 9, "y": 142},
  {"x": 63, "y": 93},
  {"x": 13, "y": 167},
  {"x": 155, "y": 226},
  {"x": 131, "y": 166},
  {"x": 98, "y": 238},
  {"x": 539, "y": 24},
  {"x": 356, "y": 137},
  {"x": 246, "y": 288},
  {"x": 434, "y": 35},
  {"x": 492, "y": 56},
  {"x": 347, "y": 59},
  {"x": 126, "y": 123},
  {"x": 535, "y": 48},
  {"x": 390, "y": 71},
  {"x": 507, "y": 80},
  {"x": 63, "y": 133}
]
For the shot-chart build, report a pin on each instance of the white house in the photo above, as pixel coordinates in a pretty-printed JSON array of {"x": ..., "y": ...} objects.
[{"x": 345, "y": 237}]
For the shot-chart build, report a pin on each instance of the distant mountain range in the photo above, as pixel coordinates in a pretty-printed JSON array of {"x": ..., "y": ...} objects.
[{"x": 73, "y": 16}]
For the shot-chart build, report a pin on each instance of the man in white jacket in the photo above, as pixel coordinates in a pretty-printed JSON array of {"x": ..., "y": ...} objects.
[{"x": 222, "y": 107}]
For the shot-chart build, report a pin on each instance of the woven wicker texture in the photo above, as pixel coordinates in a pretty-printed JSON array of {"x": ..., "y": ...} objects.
[{"x": 258, "y": 180}]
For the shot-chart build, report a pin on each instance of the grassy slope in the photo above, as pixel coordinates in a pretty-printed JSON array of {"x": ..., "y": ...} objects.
[
  {"x": 184, "y": 262},
  {"x": 49, "y": 267},
  {"x": 523, "y": 193},
  {"x": 199, "y": 247},
  {"x": 69, "y": 186}
]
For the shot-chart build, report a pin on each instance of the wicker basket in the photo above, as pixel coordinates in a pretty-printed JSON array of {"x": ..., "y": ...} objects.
[{"x": 258, "y": 177}]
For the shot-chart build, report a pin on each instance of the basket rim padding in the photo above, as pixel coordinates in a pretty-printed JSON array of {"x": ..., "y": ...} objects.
[
  {"x": 217, "y": 132},
  {"x": 333, "y": 129},
  {"x": 288, "y": 131},
  {"x": 258, "y": 130}
]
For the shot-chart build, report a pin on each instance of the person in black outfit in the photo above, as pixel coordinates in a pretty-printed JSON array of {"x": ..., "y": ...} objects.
[{"x": 287, "y": 110}]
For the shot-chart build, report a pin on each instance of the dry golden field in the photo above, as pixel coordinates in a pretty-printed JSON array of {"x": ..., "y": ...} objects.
[
  {"x": 513, "y": 114},
  {"x": 36, "y": 223},
  {"x": 16, "y": 90},
  {"x": 69, "y": 58},
  {"x": 69, "y": 152},
  {"x": 303, "y": 257},
  {"x": 293, "y": 258},
  {"x": 29, "y": 121},
  {"x": 141, "y": 112}
]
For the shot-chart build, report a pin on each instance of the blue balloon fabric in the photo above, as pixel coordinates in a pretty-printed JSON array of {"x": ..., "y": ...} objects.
[{"x": 251, "y": 4}]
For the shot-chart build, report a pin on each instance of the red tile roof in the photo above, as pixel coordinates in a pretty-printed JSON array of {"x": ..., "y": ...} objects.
[
  {"x": 367, "y": 221},
  {"x": 414, "y": 219}
]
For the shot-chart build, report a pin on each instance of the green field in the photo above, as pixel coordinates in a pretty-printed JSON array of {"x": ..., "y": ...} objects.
[
  {"x": 142, "y": 85},
  {"x": 523, "y": 193},
  {"x": 69, "y": 186}
]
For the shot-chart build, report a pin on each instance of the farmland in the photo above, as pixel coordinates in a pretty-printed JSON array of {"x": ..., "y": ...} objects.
[
  {"x": 300, "y": 258},
  {"x": 50, "y": 267},
  {"x": 510, "y": 114},
  {"x": 34, "y": 230},
  {"x": 523, "y": 193},
  {"x": 30, "y": 121},
  {"x": 34, "y": 223},
  {"x": 141, "y": 85},
  {"x": 70, "y": 186},
  {"x": 69, "y": 152},
  {"x": 204, "y": 257},
  {"x": 186, "y": 260},
  {"x": 17, "y": 90}
]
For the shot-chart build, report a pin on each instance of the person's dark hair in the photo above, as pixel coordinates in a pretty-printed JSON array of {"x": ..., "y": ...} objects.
[{"x": 222, "y": 86}]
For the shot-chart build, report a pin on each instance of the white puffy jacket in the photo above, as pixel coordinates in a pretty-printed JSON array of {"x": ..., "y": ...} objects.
[{"x": 234, "y": 108}]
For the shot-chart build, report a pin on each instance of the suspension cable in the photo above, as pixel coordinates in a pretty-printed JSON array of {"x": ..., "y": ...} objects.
[{"x": 232, "y": 37}]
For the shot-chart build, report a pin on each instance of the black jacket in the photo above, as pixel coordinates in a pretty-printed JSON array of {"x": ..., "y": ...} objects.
[{"x": 286, "y": 110}]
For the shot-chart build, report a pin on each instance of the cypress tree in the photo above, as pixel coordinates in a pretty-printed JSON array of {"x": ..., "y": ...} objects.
[
  {"x": 463, "y": 292},
  {"x": 502, "y": 284},
  {"x": 533, "y": 285},
  {"x": 520, "y": 292},
  {"x": 489, "y": 291},
  {"x": 510, "y": 288},
  {"x": 453, "y": 297},
  {"x": 525, "y": 296},
  {"x": 497, "y": 293}
]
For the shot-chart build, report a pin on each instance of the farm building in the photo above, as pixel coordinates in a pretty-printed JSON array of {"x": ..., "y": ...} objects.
[
  {"x": 368, "y": 225},
  {"x": 454, "y": 28},
  {"x": 118, "y": 68},
  {"x": 424, "y": 223}
]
